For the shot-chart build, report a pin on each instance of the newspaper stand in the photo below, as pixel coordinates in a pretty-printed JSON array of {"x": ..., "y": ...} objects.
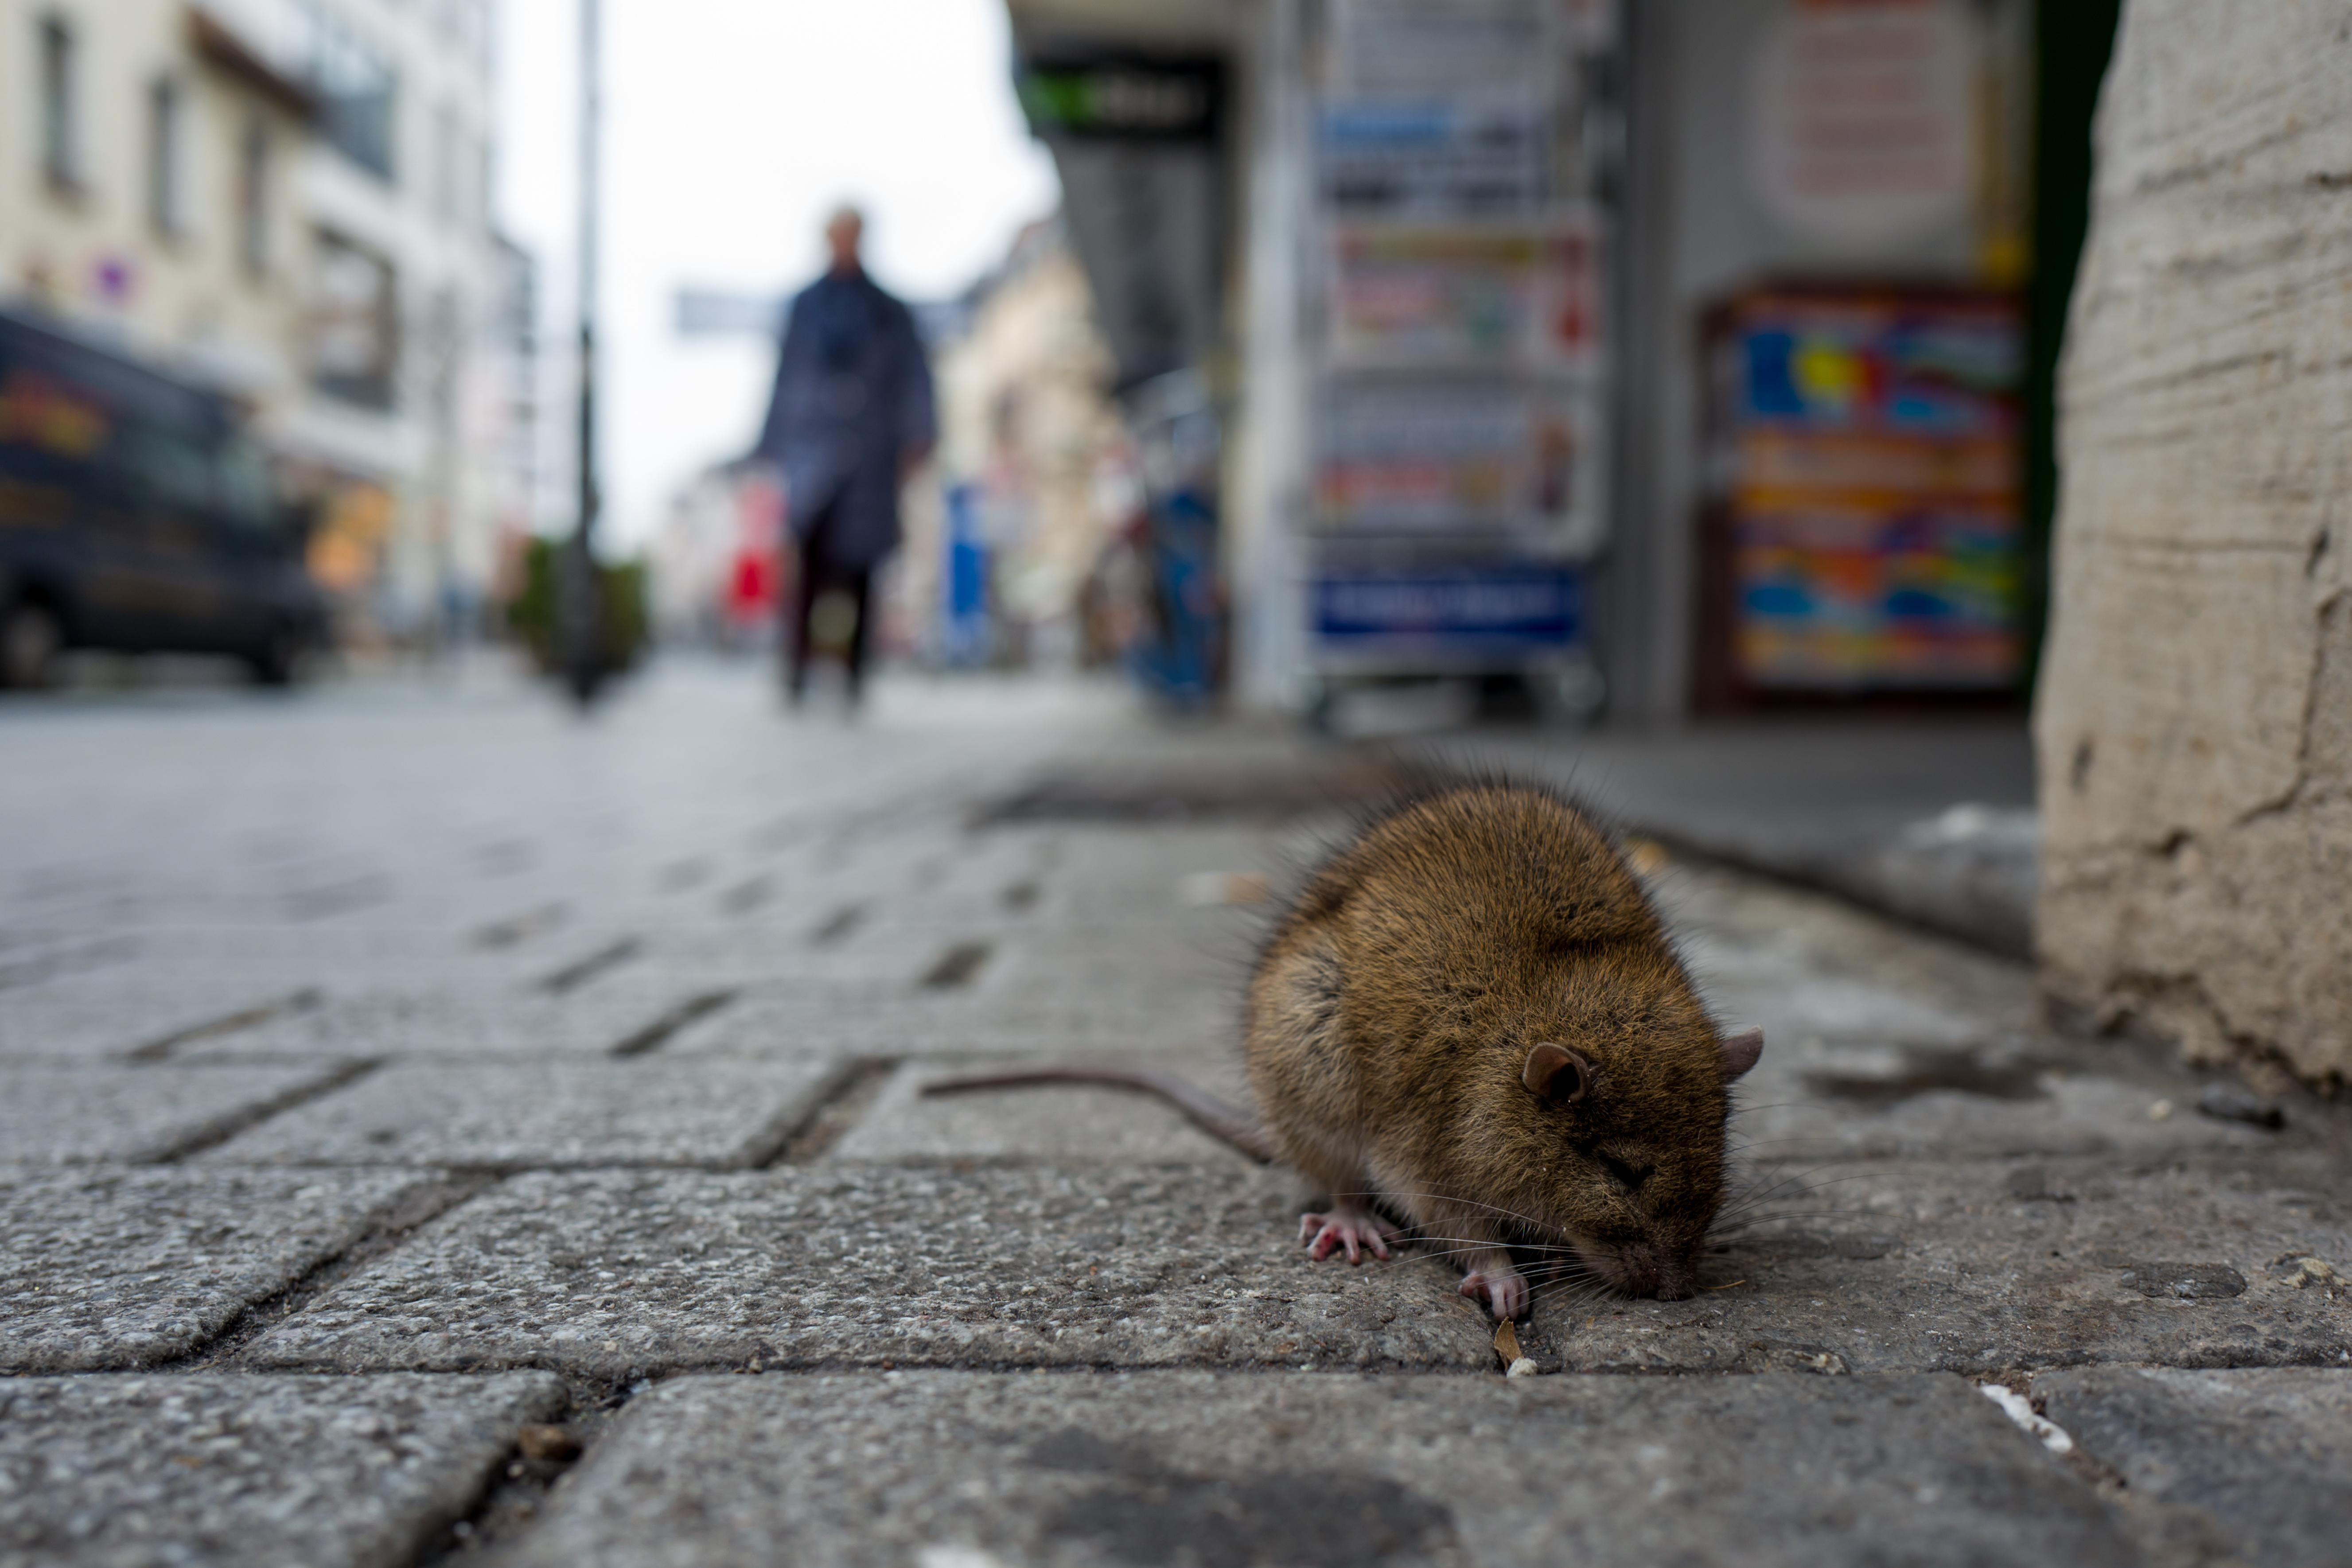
[{"x": 1459, "y": 416}]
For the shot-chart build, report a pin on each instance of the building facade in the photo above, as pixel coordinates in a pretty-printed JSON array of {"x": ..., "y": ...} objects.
[
  {"x": 1032, "y": 468},
  {"x": 149, "y": 172},
  {"x": 290, "y": 200}
]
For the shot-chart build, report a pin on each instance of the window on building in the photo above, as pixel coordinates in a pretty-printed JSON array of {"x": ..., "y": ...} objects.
[
  {"x": 449, "y": 174},
  {"x": 353, "y": 349},
  {"x": 167, "y": 175},
  {"x": 357, "y": 88},
  {"x": 253, "y": 198},
  {"x": 484, "y": 173},
  {"x": 60, "y": 139}
]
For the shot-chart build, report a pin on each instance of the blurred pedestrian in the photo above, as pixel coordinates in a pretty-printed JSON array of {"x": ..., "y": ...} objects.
[{"x": 851, "y": 417}]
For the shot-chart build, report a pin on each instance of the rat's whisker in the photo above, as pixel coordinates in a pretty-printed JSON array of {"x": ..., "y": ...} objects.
[
  {"x": 1451, "y": 1198},
  {"x": 1754, "y": 1193},
  {"x": 1570, "y": 1293}
]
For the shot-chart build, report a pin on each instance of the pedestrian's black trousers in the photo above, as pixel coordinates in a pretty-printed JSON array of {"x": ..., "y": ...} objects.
[{"x": 816, "y": 577}]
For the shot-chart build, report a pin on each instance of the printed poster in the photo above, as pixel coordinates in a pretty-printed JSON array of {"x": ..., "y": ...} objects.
[
  {"x": 1876, "y": 530},
  {"x": 1435, "y": 457},
  {"x": 1439, "y": 296}
]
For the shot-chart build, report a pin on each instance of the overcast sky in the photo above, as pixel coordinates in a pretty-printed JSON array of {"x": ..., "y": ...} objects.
[{"x": 731, "y": 128}]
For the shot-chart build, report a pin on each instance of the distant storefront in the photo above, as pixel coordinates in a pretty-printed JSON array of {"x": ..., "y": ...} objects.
[
  {"x": 1828, "y": 231},
  {"x": 1675, "y": 356}
]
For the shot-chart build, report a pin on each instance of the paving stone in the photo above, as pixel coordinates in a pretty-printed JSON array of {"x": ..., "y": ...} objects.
[
  {"x": 865, "y": 1020},
  {"x": 1979, "y": 1268},
  {"x": 1874, "y": 1101},
  {"x": 133, "y": 1011},
  {"x": 33, "y": 956},
  {"x": 461, "y": 1027},
  {"x": 2263, "y": 1459},
  {"x": 619, "y": 1274},
  {"x": 129, "y": 1472},
  {"x": 1046, "y": 1124},
  {"x": 513, "y": 1115},
  {"x": 1882, "y": 1043},
  {"x": 1325, "y": 1471},
  {"x": 124, "y": 1268},
  {"x": 534, "y": 929},
  {"x": 52, "y": 1112}
]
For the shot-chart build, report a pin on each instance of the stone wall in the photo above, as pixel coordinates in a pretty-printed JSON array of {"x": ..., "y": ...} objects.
[{"x": 2194, "y": 721}]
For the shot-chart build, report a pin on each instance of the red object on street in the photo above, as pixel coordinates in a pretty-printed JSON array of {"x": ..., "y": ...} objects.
[
  {"x": 752, "y": 591},
  {"x": 755, "y": 585}
]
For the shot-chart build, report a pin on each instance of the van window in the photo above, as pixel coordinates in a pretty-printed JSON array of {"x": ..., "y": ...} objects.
[
  {"x": 249, "y": 494},
  {"x": 165, "y": 467}
]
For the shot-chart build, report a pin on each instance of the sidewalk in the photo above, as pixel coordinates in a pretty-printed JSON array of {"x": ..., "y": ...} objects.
[
  {"x": 437, "y": 1130},
  {"x": 1930, "y": 820}
]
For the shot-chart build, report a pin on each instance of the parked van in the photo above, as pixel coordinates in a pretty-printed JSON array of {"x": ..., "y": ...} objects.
[{"x": 135, "y": 516}]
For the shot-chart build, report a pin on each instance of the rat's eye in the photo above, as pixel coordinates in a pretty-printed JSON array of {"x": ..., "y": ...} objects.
[{"x": 1556, "y": 1074}]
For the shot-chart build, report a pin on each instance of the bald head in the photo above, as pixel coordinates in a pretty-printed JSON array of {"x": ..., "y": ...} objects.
[{"x": 843, "y": 231}]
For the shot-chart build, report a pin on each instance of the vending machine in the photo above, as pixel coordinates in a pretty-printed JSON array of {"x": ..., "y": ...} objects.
[{"x": 1458, "y": 482}]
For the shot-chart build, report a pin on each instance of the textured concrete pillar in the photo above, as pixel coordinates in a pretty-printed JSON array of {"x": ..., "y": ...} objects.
[{"x": 2194, "y": 721}]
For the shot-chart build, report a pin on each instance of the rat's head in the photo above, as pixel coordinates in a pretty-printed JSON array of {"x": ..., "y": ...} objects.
[{"x": 1623, "y": 1145}]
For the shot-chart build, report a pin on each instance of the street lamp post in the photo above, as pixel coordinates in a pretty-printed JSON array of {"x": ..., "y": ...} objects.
[{"x": 584, "y": 649}]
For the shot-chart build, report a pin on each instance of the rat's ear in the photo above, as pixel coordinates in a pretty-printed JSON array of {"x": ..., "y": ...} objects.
[
  {"x": 1740, "y": 1051},
  {"x": 1556, "y": 1074}
]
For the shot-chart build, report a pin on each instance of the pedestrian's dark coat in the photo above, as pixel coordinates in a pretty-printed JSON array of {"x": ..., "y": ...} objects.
[{"x": 853, "y": 393}]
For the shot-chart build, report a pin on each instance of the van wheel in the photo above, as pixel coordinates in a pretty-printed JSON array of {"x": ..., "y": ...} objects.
[
  {"x": 279, "y": 660},
  {"x": 31, "y": 637}
]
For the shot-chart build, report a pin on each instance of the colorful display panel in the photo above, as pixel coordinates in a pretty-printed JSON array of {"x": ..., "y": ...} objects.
[
  {"x": 1464, "y": 297},
  {"x": 1870, "y": 443},
  {"x": 1513, "y": 608},
  {"x": 1433, "y": 456}
]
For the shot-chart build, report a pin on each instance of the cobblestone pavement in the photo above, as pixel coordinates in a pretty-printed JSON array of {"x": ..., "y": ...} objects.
[{"x": 435, "y": 1129}]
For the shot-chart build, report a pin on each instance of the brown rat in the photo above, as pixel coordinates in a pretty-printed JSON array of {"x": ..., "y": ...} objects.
[{"x": 1471, "y": 1018}]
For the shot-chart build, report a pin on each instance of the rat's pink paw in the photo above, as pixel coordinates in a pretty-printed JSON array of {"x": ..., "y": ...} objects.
[
  {"x": 1348, "y": 1229},
  {"x": 1506, "y": 1293}
]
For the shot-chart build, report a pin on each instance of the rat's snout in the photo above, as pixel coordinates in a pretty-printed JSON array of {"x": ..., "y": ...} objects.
[{"x": 1644, "y": 1270}]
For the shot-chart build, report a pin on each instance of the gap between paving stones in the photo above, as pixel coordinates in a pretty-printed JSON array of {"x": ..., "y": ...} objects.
[
  {"x": 74, "y": 1113},
  {"x": 382, "y": 1232},
  {"x": 252, "y": 1018},
  {"x": 581, "y": 970},
  {"x": 220, "y": 1130},
  {"x": 690, "y": 1011},
  {"x": 516, "y": 1489},
  {"x": 839, "y": 1108}
]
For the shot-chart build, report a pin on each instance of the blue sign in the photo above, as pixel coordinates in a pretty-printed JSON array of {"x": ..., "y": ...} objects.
[
  {"x": 1522, "y": 608},
  {"x": 964, "y": 633}
]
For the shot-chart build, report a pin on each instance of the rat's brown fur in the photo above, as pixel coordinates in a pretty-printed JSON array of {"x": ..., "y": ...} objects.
[{"x": 1393, "y": 1007}]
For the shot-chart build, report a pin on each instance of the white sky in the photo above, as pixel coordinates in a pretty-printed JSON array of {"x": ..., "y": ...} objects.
[{"x": 730, "y": 128}]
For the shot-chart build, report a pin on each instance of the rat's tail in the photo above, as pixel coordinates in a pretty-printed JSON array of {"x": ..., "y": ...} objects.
[{"x": 1226, "y": 1123}]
